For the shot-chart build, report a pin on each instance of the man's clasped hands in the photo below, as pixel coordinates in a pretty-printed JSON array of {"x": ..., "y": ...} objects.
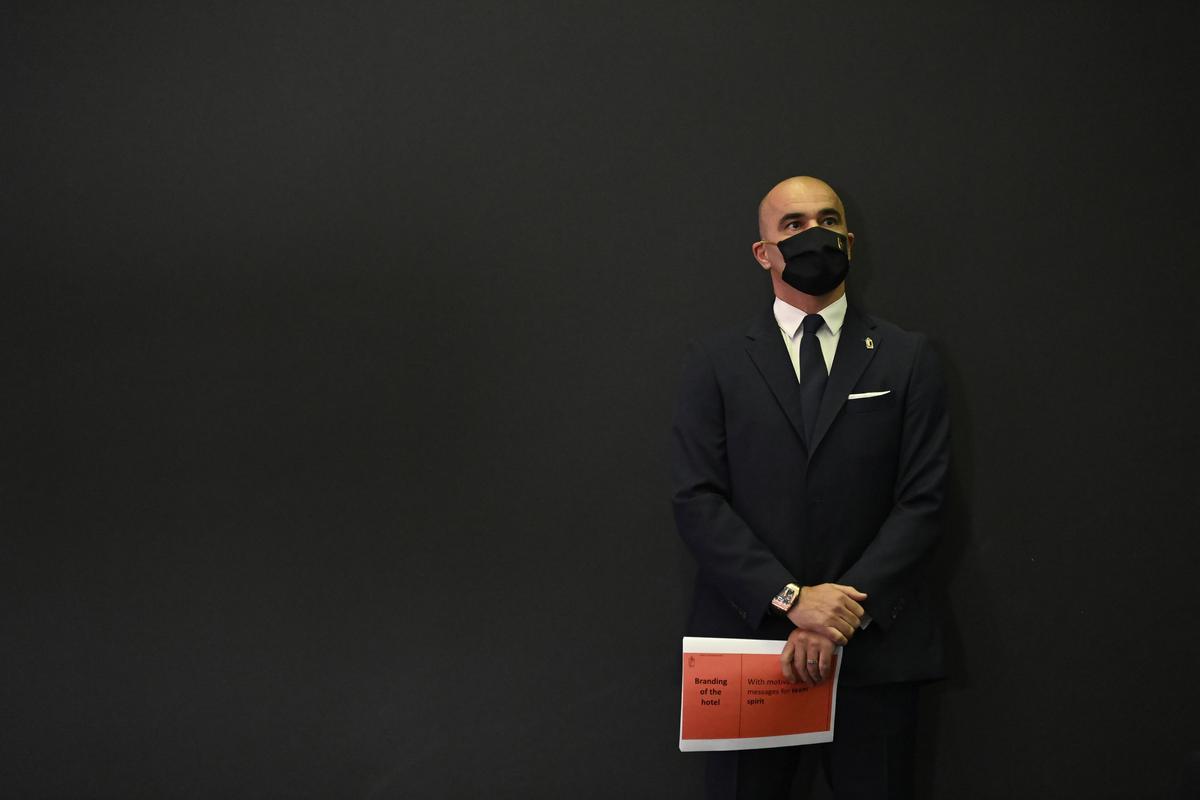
[{"x": 825, "y": 616}]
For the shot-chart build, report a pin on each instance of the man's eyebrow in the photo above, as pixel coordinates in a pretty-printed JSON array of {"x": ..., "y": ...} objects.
[{"x": 797, "y": 215}]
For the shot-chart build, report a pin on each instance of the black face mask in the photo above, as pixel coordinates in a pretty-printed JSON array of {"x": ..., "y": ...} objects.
[{"x": 816, "y": 260}]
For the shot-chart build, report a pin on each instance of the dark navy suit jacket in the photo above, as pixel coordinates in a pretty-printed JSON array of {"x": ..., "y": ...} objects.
[{"x": 760, "y": 507}]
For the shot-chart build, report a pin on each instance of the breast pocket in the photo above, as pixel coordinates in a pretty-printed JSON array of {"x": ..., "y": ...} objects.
[{"x": 862, "y": 405}]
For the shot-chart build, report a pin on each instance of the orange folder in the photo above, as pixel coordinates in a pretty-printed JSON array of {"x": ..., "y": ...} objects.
[{"x": 734, "y": 697}]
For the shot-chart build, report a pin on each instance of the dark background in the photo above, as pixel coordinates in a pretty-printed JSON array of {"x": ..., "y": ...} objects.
[{"x": 340, "y": 344}]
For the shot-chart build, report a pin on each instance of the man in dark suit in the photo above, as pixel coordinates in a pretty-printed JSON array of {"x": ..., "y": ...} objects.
[{"x": 810, "y": 449}]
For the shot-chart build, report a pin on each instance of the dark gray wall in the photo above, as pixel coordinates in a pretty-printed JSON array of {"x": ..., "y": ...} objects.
[{"x": 341, "y": 340}]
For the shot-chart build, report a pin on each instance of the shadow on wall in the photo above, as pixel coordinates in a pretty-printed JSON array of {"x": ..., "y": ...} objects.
[
  {"x": 949, "y": 563},
  {"x": 952, "y": 555}
]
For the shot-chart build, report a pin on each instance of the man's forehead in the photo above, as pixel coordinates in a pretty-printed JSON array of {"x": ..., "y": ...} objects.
[{"x": 801, "y": 192}]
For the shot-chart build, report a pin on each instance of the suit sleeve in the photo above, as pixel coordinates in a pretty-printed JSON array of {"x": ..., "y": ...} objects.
[
  {"x": 893, "y": 562},
  {"x": 729, "y": 554}
]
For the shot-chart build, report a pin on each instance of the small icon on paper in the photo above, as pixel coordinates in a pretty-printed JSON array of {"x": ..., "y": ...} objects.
[{"x": 691, "y": 661}]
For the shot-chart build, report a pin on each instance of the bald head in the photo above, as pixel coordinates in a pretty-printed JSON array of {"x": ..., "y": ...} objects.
[
  {"x": 791, "y": 207},
  {"x": 798, "y": 199}
]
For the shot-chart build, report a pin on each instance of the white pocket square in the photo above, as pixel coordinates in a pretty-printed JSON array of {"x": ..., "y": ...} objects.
[{"x": 865, "y": 395}]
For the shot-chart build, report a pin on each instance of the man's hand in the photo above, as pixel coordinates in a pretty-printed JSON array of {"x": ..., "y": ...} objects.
[
  {"x": 830, "y": 610},
  {"x": 807, "y": 657}
]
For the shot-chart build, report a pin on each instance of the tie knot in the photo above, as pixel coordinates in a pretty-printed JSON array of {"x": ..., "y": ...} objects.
[{"x": 812, "y": 322}]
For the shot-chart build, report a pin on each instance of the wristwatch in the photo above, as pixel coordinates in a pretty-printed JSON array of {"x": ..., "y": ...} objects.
[{"x": 786, "y": 598}]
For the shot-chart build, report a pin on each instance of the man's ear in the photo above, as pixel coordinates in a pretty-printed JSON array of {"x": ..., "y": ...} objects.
[
  {"x": 849, "y": 245},
  {"x": 759, "y": 249}
]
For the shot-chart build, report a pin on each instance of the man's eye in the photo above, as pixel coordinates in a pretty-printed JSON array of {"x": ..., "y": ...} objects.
[{"x": 829, "y": 221}]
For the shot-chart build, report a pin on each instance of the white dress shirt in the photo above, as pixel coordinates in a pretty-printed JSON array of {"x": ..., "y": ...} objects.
[{"x": 789, "y": 319}]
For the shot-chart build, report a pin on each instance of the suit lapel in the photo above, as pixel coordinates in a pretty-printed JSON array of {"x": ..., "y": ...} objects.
[
  {"x": 768, "y": 352},
  {"x": 849, "y": 361}
]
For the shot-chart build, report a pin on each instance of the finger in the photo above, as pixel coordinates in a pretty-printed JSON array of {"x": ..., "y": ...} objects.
[
  {"x": 801, "y": 661},
  {"x": 849, "y": 618},
  {"x": 850, "y": 590},
  {"x": 825, "y": 667},
  {"x": 844, "y": 627},
  {"x": 785, "y": 661},
  {"x": 812, "y": 662},
  {"x": 848, "y": 605},
  {"x": 799, "y": 665},
  {"x": 836, "y": 636}
]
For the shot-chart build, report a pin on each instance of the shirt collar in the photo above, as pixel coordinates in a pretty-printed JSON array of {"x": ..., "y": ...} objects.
[{"x": 789, "y": 317}]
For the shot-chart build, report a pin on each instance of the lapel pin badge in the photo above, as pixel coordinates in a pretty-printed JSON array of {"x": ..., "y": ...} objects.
[{"x": 870, "y": 343}]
